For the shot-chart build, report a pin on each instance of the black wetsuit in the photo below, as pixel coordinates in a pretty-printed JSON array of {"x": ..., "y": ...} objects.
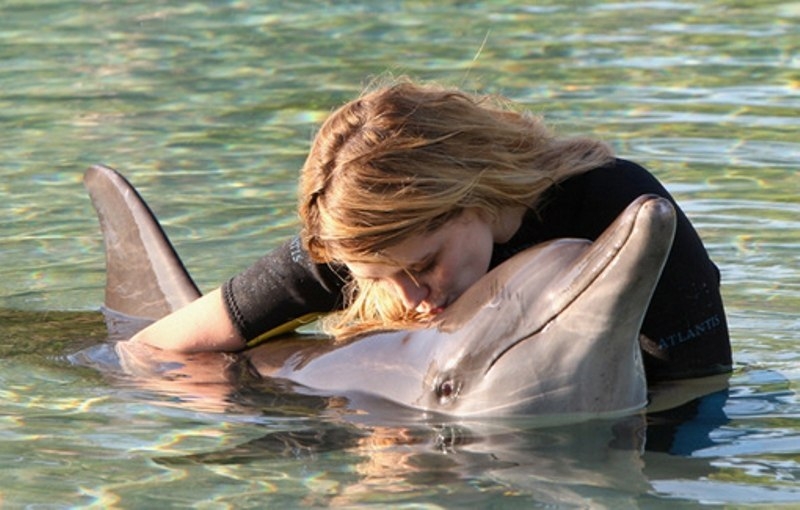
[{"x": 685, "y": 325}]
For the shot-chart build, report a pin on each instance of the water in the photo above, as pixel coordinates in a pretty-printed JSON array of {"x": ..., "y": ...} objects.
[{"x": 209, "y": 108}]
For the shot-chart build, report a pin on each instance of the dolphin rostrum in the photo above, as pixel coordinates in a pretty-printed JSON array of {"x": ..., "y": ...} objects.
[{"x": 551, "y": 332}]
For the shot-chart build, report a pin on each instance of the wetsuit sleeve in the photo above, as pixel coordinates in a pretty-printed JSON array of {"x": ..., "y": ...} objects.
[{"x": 281, "y": 287}]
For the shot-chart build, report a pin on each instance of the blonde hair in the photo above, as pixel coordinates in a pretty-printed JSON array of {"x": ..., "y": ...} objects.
[{"x": 403, "y": 159}]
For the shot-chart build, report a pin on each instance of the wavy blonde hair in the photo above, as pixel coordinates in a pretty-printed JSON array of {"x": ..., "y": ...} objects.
[{"x": 402, "y": 160}]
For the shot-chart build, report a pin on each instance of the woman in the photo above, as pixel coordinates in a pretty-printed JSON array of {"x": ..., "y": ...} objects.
[{"x": 411, "y": 193}]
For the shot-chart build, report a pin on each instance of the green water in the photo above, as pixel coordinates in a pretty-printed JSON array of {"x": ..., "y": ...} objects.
[{"x": 208, "y": 107}]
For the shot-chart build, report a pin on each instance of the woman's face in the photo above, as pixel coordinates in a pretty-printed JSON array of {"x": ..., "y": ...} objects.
[{"x": 428, "y": 272}]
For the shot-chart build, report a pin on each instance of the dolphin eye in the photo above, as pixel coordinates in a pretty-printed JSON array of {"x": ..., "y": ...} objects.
[{"x": 447, "y": 390}]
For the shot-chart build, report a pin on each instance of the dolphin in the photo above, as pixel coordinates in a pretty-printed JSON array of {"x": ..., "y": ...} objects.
[{"x": 552, "y": 332}]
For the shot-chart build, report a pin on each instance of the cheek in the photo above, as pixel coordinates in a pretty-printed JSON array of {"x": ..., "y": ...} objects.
[
  {"x": 479, "y": 250},
  {"x": 476, "y": 267},
  {"x": 470, "y": 264}
]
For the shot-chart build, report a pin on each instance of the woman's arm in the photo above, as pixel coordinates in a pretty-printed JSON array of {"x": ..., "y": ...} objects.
[
  {"x": 279, "y": 289},
  {"x": 201, "y": 326}
]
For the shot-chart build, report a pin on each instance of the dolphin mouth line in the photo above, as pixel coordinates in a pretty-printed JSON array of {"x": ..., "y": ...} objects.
[{"x": 598, "y": 270}]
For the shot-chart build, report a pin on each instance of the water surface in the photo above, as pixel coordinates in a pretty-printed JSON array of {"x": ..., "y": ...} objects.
[{"x": 208, "y": 107}]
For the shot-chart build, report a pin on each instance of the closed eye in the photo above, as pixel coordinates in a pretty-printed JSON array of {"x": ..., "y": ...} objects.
[{"x": 421, "y": 268}]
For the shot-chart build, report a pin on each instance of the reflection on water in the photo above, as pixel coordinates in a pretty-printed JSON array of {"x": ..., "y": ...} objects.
[
  {"x": 253, "y": 441},
  {"x": 209, "y": 108}
]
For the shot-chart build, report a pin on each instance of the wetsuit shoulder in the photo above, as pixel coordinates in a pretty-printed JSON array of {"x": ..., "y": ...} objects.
[
  {"x": 685, "y": 326},
  {"x": 582, "y": 206}
]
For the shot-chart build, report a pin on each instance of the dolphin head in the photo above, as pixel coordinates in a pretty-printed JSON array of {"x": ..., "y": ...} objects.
[
  {"x": 552, "y": 331},
  {"x": 560, "y": 331}
]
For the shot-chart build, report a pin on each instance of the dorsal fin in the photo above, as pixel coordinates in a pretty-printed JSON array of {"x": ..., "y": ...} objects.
[{"x": 145, "y": 278}]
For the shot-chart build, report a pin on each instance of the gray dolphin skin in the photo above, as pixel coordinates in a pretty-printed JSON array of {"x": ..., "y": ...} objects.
[{"x": 551, "y": 332}]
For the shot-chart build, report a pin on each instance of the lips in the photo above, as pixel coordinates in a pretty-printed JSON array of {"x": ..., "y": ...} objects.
[
  {"x": 439, "y": 308},
  {"x": 432, "y": 310}
]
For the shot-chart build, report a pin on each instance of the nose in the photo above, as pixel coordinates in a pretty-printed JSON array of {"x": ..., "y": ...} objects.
[{"x": 411, "y": 292}]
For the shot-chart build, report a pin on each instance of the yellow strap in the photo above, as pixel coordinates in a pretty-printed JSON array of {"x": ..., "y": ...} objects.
[{"x": 284, "y": 328}]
